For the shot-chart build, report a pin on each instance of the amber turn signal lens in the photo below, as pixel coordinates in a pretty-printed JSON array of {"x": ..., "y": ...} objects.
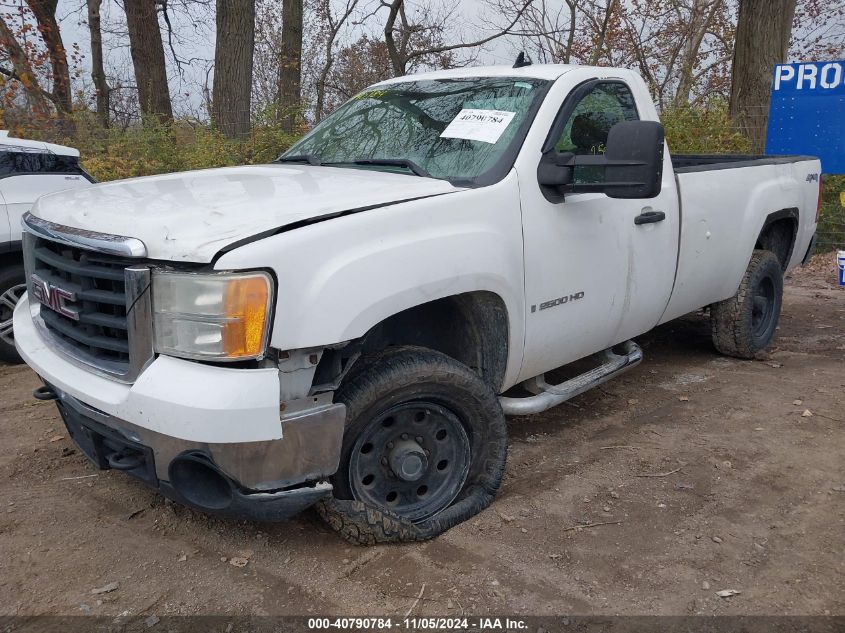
[{"x": 245, "y": 310}]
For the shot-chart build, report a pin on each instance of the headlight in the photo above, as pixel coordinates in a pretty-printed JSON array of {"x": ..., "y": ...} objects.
[{"x": 211, "y": 317}]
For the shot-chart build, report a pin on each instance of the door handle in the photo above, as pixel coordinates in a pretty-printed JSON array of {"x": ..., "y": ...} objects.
[{"x": 649, "y": 217}]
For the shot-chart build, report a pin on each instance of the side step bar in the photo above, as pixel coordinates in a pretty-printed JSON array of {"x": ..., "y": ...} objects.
[{"x": 549, "y": 396}]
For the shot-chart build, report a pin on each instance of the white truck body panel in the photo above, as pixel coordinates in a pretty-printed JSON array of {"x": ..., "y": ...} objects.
[
  {"x": 12, "y": 143},
  {"x": 367, "y": 266},
  {"x": 174, "y": 397},
  {"x": 721, "y": 222},
  {"x": 588, "y": 243},
  {"x": 19, "y": 193},
  {"x": 191, "y": 216}
]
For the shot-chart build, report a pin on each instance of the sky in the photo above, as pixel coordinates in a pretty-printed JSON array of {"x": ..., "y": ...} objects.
[{"x": 196, "y": 37}]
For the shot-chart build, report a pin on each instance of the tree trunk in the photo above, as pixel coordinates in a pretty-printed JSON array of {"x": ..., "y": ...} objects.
[
  {"x": 290, "y": 64},
  {"x": 396, "y": 59},
  {"x": 321, "y": 82},
  {"x": 45, "y": 15},
  {"x": 148, "y": 59},
  {"x": 98, "y": 72},
  {"x": 573, "y": 25},
  {"x": 701, "y": 15},
  {"x": 233, "y": 53},
  {"x": 762, "y": 40},
  {"x": 602, "y": 34},
  {"x": 23, "y": 72}
]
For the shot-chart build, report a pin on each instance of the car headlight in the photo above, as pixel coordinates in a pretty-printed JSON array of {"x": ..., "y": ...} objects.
[{"x": 222, "y": 317}]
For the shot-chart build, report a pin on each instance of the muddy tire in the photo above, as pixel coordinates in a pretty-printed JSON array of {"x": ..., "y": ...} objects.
[
  {"x": 424, "y": 448},
  {"x": 12, "y": 287},
  {"x": 745, "y": 324}
]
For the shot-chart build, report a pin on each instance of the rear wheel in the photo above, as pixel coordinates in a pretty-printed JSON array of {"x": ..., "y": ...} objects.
[
  {"x": 12, "y": 288},
  {"x": 745, "y": 324},
  {"x": 424, "y": 448}
]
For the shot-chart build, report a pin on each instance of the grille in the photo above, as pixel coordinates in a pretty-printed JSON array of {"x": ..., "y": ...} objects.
[{"x": 98, "y": 284}]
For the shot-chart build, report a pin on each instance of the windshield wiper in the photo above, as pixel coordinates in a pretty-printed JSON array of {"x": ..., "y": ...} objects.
[
  {"x": 311, "y": 159},
  {"x": 394, "y": 162}
]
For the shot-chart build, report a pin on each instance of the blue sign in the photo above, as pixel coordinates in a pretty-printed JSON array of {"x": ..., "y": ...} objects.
[{"x": 807, "y": 113}]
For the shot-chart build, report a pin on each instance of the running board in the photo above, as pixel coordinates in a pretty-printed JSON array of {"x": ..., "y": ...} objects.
[{"x": 549, "y": 396}]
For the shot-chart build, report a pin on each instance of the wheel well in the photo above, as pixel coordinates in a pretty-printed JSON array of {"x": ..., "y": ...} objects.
[
  {"x": 10, "y": 259},
  {"x": 778, "y": 235},
  {"x": 472, "y": 328}
]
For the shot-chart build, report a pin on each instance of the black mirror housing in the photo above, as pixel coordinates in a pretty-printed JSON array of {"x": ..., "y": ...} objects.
[
  {"x": 632, "y": 165},
  {"x": 639, "y": 143},
  {"x": 556, "y": 170}
]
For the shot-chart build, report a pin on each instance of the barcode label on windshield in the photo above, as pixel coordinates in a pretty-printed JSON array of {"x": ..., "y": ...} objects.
[{"x": 478, "y": 125}]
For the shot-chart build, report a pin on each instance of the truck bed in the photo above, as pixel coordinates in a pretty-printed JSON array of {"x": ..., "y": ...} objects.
[
  {"x": 687, "y": 163},
  {"x": 723, "y": 210}
]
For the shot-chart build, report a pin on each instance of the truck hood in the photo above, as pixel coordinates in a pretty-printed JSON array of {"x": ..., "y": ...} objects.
[{"x": 191, "y": 216}]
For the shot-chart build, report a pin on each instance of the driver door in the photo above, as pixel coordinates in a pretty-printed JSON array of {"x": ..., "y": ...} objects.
[{"x": 593, "y": 278}]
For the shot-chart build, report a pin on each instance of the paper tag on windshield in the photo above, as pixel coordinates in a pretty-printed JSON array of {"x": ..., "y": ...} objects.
[{"x": 478, "y": 125}]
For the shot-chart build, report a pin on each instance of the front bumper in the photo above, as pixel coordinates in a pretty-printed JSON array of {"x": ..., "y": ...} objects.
[
  {"x": 193, "y": 477},
  {"x": 187, "y": 423}
]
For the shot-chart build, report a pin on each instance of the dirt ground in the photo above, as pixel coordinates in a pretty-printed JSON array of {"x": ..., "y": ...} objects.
[{"x": 708, "y": 473}]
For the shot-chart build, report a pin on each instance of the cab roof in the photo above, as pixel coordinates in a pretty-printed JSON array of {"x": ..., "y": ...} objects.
[
  {"x": 12, "y": 144},
  {"x": 532, "y": 71}
]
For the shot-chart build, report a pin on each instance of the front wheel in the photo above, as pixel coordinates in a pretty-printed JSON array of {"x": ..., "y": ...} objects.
[
  {"x": 745, "y": 324},
  {"x": 12, "y": 288},
  {"x": 424, "y": 448}
]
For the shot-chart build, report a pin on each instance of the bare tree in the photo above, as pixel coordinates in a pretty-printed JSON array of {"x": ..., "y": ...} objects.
[
  {"x": 45, "y": 15},
  {"x": 233, "y": 54},
  {"x": 22, "y": 71},
  {"x": 360, "y": 64},
  {"x": 818, "y": 30},
  {"x": 682, "y": 48},
  {"x": 147, "y": 51},
  {"x": 601, "y": 31},
  {"x": 408, "y": 40},
  {"x": 762, "y": 40},
  {"x": 701, "y": 15},
  {"x": 334, "y": 24},
  {"x": 546, "y": 30},
  {"x": 290, "y": 64},
  {"x": 98, "y": 71}
]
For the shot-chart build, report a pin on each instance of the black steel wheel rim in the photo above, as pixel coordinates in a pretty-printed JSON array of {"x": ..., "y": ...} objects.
[
  {"x": 412, "y": 459},
  {"x": 763, "y": 306}
]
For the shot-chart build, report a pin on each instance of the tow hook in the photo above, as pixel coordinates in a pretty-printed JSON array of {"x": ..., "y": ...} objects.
[
  {"x": 125, "y": 459},
  {"x": 45, "y": 393}
]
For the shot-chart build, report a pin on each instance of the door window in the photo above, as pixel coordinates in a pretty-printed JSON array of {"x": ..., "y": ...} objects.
[
  {"x": 586, "y": 129},
  {"x": 23, "y": 162}
]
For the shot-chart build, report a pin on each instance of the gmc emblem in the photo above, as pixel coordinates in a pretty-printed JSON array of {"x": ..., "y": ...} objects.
[{"x": 53, "y": 297}]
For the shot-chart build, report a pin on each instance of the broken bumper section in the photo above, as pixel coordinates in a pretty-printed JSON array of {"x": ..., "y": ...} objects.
[{"x": 204, "y": 476}]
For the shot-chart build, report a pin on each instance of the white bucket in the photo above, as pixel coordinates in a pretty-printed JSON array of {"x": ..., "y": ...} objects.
[{"x": 840, "y": 260}]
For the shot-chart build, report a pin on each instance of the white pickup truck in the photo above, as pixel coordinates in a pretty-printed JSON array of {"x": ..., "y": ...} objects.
[
  {"x": 28, "y": 169},
  {"x": 348, "y": 326}
]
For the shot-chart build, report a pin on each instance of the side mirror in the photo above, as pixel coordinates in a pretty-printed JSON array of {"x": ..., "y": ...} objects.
[{"x": 631, "y": 167}]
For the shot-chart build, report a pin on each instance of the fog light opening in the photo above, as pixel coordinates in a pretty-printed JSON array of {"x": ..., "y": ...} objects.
[{"x": 199, "y": 483}]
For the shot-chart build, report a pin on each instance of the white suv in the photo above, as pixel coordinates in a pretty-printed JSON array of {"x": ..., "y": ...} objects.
[{"x": 28, "y": 170}]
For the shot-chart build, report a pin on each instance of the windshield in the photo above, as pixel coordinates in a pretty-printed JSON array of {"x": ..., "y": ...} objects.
[{"x": 457, "y": 130}]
